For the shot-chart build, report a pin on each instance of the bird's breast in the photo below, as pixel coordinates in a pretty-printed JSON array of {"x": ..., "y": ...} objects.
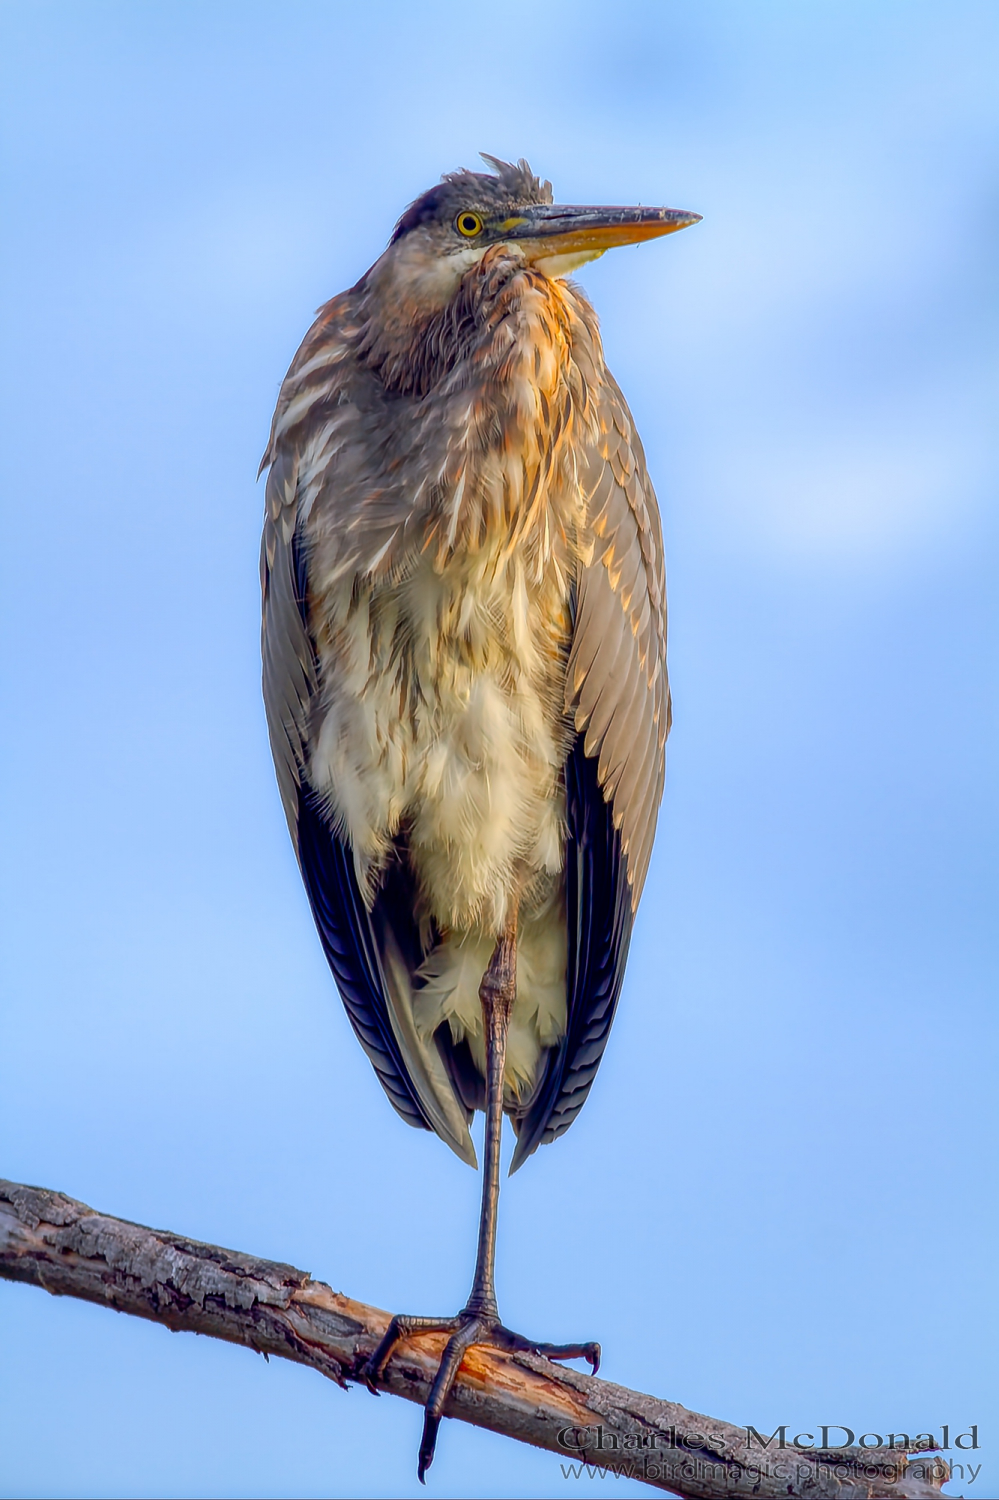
[
  {"x": 443, "y": 722},
  {"x": 443, "y": 559}
]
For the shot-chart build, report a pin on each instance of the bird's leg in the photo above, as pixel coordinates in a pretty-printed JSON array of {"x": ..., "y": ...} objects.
[
  {"x": 478, "y": 1322},
  {"x": 497, "y": 992}
]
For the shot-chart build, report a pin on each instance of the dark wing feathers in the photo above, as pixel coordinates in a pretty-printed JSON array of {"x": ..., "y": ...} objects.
[
  {"x": 600, "y": 917},
  {"x": 352, "y": 952}
]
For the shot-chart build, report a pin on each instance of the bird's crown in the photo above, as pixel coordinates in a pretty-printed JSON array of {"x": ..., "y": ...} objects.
[{"x": 508, "y": 185}]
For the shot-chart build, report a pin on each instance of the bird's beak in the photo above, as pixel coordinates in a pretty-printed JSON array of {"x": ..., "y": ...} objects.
[{"x": 556, "y": 233}]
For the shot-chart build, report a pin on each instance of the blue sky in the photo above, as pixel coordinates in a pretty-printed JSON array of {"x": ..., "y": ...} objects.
[{"x": 779, "y": 1203}]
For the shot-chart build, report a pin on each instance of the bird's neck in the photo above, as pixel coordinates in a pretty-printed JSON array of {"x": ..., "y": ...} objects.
[{"x": 417, "y": 330}]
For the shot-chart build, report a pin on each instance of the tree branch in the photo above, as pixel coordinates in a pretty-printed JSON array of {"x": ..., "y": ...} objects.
[{"x": 54, "y": 1242}]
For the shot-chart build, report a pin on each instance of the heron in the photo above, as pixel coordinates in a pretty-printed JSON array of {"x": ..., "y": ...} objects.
[{"x": 464, "y": 675}]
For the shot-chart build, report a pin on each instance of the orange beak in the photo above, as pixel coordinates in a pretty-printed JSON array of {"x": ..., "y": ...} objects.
[{"x": 555, "y": 230}]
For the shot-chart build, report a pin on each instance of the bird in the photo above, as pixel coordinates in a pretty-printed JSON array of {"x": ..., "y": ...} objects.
[{"x": 464, "y": 676}]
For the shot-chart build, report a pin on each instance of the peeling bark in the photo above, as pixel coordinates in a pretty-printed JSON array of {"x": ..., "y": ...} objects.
[{"x": 54, "y": 1242}]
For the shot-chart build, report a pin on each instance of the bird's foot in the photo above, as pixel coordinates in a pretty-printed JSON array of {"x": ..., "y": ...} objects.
[{"x": 468, "y": 1328}]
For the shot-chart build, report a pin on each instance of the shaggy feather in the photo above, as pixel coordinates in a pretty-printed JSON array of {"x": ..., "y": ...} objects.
[{"x": 460, "y": 534}]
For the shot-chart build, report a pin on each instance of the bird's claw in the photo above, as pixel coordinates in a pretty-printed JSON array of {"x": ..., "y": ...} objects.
[
  {"x": 467, "y": 1329},
  {"x": 590, "y": 1352},
  {"x": 428, "y": 1445}
]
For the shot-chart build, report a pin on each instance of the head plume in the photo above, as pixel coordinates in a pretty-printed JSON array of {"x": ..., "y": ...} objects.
[{"x": 506, "y": 185}]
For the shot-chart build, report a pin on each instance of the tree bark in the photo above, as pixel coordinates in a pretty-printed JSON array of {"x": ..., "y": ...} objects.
[{"x": 56, "y": 1243}]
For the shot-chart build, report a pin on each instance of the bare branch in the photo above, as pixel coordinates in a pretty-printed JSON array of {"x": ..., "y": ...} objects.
[{"x": 54, "y": 1242}]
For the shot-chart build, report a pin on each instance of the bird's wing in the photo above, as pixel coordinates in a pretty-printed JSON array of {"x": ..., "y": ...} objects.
[
  {"x": 617, "y": 688},
  {"x": 372, "y": 953},
  {"x": 618, "y": 694}
]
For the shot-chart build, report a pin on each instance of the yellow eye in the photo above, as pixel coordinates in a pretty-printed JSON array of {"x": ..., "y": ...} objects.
[{"x": 468, "y": 223}]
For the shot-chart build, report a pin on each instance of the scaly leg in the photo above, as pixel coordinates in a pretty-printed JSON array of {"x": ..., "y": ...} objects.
[{"x": 478, "y": 1322}]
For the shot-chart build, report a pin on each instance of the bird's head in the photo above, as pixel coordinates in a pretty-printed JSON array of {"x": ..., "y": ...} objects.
[{"x": 450, "y": 228}]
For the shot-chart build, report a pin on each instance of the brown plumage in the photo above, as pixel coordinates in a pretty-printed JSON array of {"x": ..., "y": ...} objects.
[{"x": 464, "y": 666}]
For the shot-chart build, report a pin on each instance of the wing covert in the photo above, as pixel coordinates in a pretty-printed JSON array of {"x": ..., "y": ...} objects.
[
  {"x": 618, "y": 695},
  {"x": 617, "y": 689}
]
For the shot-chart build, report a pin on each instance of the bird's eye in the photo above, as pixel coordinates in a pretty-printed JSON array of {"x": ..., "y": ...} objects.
[{"x": 468, "y": 224}]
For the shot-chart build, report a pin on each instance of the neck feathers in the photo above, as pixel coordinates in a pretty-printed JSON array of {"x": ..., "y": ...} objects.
[{"x": 491, "y": 317}]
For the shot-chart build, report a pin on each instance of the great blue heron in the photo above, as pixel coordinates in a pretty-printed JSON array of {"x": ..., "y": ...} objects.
[{"x": 464, "y": 634}]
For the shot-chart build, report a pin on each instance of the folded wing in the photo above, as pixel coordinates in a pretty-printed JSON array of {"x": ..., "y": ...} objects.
[
  {"x": 618, "y": 694},
  {"x": 372, "y": 954}
]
